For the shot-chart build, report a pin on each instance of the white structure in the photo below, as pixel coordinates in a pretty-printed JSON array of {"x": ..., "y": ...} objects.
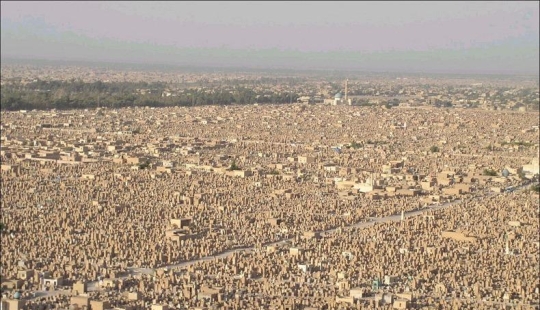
[
  {"x": 367, "y": 186},
  {"x": 339, "y": 99},
  {"x": 533, "y": 168}
]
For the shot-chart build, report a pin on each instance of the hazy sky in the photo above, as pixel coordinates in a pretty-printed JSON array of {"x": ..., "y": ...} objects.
[{"x": 463, "y": 37}]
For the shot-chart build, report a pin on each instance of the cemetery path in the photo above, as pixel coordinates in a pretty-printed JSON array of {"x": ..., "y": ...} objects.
[
  {"x": 132, "y": 271},
  {"x": 492, "y": 156}
]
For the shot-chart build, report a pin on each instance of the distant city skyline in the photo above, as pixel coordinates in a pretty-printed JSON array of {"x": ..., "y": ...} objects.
[{"x": 439, "y": 37}]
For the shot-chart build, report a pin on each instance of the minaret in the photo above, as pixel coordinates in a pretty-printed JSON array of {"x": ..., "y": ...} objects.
[
  {"x": 402, "y": 215},
  {"x": 347, "y": 91}
]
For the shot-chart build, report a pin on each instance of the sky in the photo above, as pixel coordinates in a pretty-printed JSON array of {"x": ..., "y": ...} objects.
[{"x": 439, "y": 37}]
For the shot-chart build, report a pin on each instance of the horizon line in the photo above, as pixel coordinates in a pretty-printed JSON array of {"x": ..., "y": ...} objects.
[{"x": 148, "y": 65}]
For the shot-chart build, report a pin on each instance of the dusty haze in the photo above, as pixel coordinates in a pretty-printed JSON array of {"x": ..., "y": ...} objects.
[{"x": 442, "y": 37}]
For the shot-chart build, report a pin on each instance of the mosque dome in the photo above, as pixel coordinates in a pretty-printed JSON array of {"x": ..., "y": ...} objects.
[
  {"x": 337, "y": 96},
  {"x": 17, "y": 295}
]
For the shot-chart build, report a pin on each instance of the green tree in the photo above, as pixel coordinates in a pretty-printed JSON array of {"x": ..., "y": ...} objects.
[
  {"x": 234, "y": 166},
  {"x": 355, "y": 145},
  {"x": 144, "y": 165},
  {"x": 434, "y": 149},
  {"x": 490, "y": 172}
]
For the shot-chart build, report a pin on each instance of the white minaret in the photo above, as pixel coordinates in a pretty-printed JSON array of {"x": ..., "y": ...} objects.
[
  {"x": 507, "y": 248},
  {"x": 347, "y": 91},
  {"x": 402, "y": 215}
]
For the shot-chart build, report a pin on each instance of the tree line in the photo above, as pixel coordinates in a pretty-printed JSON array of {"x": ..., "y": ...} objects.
[{"x": 75, "y": 94}]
